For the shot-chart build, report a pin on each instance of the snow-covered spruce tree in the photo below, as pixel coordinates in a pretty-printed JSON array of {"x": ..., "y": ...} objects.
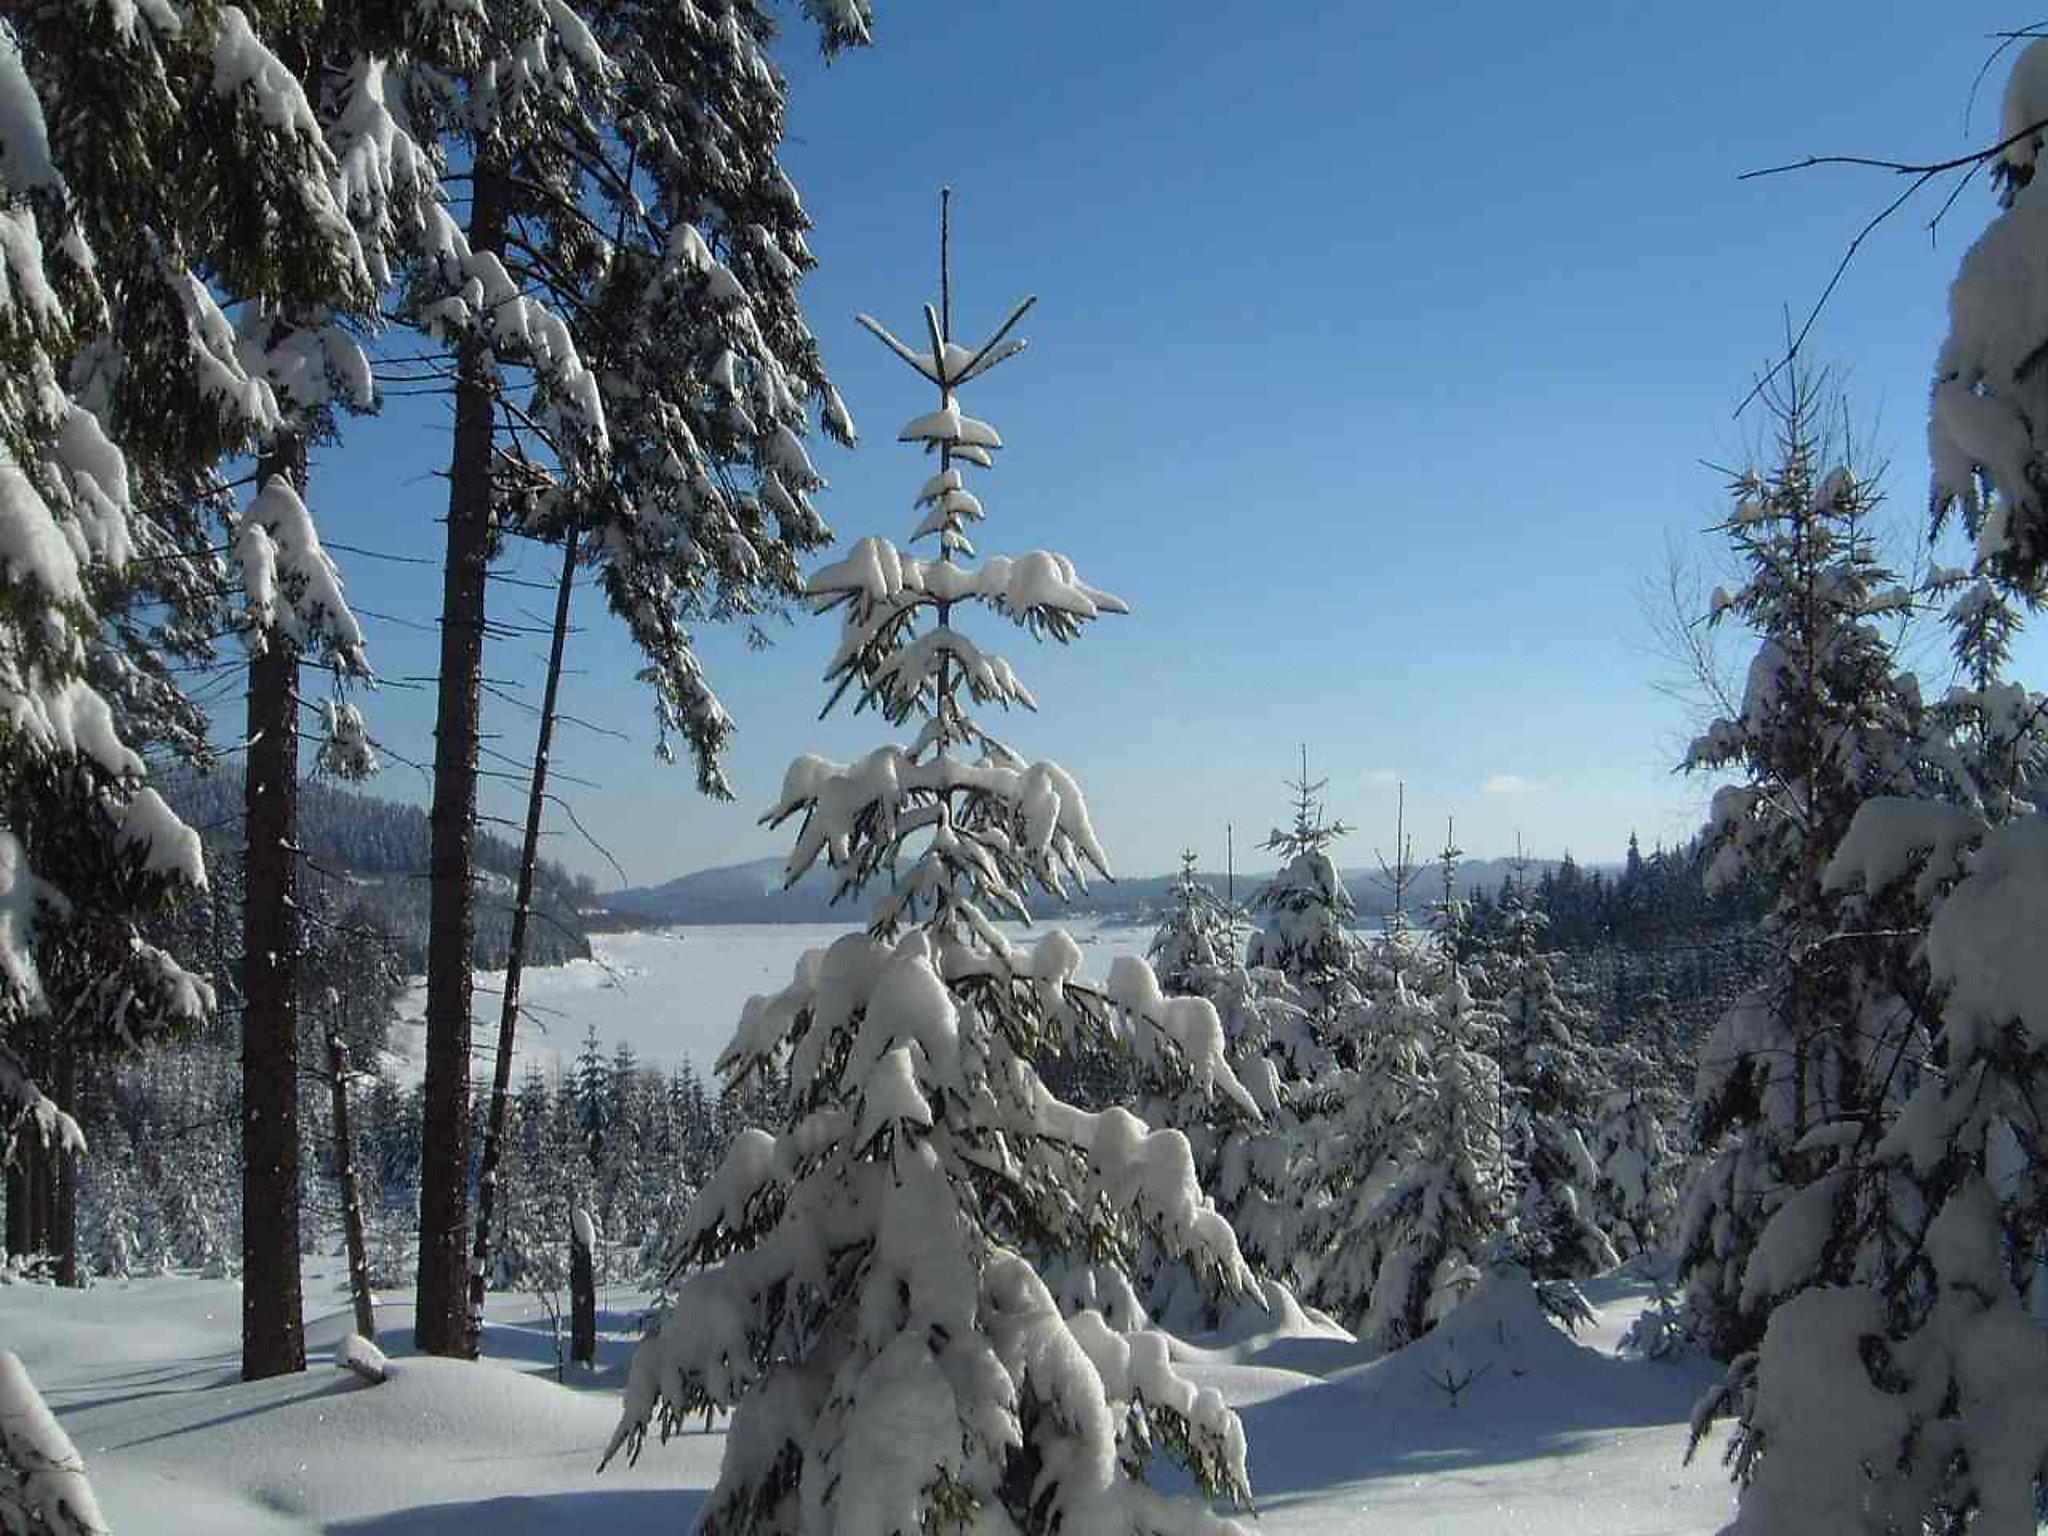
[
  {"x": 187, "y": 168},
  {"x": 1413, "y": 1166},
  {"x": 1194, "y": 939},
  {"x": 1637, "y": 1145},
  {"x": 1824, "y": 724},
  {"x": 1305, "y": 933},
  {"x": 872, "y": 1303},
  {"x": 192, "y": 170},
  {"x": 1347, "y": 1135},
  {"x": 1912, "y": 1393},
  {"x": 108, "y": 213},
  {"x": 1242, "y": 1161},
  {"x": 1905, "y": 1347},
  {"x": 1193, "y": 954},
  {"x": 1309, "y": 1181},
  {"x": 1403, "y": 1179},
  {"x": 1553, "y": 1081}
]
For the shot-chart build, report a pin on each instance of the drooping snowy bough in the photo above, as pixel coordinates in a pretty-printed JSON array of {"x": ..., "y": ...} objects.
[
  {"x": 867, "y": 1288},
  {"x": 43, "y": 1487}
]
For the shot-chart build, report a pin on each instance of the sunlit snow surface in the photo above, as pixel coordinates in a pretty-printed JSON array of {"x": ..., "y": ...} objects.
[
  {"x": 1548, "y": 1435},
  {"x": 677, "y": 992}
]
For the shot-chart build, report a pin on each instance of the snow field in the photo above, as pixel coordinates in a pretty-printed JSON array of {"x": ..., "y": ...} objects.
[
  {"x": 1498, "y": 1424},
  {"x": 674, "y": 993}
]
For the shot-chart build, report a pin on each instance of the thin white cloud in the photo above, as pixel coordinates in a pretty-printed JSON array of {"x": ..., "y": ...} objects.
[
  {"x": 1514, "y": 784},
  {"x": 1379, "y": 778}
]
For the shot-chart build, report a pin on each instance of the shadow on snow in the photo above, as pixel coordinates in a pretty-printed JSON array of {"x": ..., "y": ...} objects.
[{"x": 618, "y": 1512}]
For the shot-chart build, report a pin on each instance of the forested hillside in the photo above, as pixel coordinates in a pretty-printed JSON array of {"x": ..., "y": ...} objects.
[
  {"x": 365, "y": 866},
  {"x": 755, "y": 892}
]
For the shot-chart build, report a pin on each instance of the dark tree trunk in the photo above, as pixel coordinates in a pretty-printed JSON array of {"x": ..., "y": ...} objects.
[
  {"x": 64, "y": 1173},
  {"x": 441, "y": 1322},
  {"x": 273, "y": 1323},
  {"x": 42, "y": 1197},
  {"x": 515, "y": 960},
  {"x": 351, "y": 1194},
  {"x": 17, "y": 1200},
  {"x": 582, "y": 1298},
  {"x": 42, "y": 1184}
]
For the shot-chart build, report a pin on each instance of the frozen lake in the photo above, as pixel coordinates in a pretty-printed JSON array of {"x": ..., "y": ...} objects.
[{"x": 676, "y": 993}]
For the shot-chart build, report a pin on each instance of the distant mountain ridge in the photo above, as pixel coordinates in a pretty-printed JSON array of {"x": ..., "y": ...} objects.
[{"x": 752, "y": 893}]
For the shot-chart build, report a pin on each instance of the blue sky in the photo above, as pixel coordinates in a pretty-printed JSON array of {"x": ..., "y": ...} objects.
[{"x": 1375, "y": 363}]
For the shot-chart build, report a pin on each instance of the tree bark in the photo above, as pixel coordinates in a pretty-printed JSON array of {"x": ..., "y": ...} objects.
[
  {"x": 515, "y": 960},
  {"x": 441, "y": 1321},
  {"x": 64, "y": 1173},
  {"x": 42, "y": 1198},
  {"x": 351, "y": 1194},
  {"x": 582, "y": 1297},
  {"x": 17, "y": 1200},
  {"x": 36, "y": 1151},
  {"x": 273, "y": 1322}
]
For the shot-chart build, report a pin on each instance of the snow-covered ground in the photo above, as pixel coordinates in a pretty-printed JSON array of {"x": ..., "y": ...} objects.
[
  {"x": 1498, "y": 1422},
  {"x": 1545, "y": 1434},
  {"x": 677, "y": 992}
]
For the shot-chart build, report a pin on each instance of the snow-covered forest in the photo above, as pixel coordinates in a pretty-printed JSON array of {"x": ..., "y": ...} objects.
[{"x": 1706, "y": 1190}]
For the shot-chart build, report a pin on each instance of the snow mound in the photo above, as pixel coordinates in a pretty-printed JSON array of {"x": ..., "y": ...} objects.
[
  {"x": 176, "y": 1443},
  {"x": 1484, "y": 1425}
]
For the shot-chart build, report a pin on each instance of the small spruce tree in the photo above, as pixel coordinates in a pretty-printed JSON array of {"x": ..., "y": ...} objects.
[
  {"x": 1553, "y": 1080},
  {"x": 1305, "y": 931},
  {"x": 873, "y": 1303}
]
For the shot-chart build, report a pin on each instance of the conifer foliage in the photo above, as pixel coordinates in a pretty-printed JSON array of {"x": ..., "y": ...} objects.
[
  {"x": 872, "y": 1303},
  {"x": 1198, "y": 936},
  {"x": 1904, "y": 1387},
  {"x": 1307, "y": 912},
  {"x": 1552, "y": 1080},
  {"x": 1824, "y": 724}
]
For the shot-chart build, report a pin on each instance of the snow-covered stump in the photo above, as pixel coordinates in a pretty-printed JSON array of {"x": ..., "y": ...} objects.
[
  {"x": 866, "y": 1288},
  {"x": 362, "y": 1359},
  {"x": 43, "y": 1486}
]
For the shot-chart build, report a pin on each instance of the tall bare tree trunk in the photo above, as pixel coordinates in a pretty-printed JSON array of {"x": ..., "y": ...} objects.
[
  {"x": 43, "y": 1199},
  {"x": 21, "y": 1166},
  {"x": 515, "y": 960},
  {"x": 351, "y": 1193},
  {"x": 64, "y": 1208},
  {"x": 273, "y": 1322},
  {"x": 41, "y": 1159},
  {"x": 441, "y": 1321}
]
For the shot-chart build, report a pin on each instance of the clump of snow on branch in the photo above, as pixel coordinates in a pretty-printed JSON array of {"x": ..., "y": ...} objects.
[{"x": 293, "y": 585}]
